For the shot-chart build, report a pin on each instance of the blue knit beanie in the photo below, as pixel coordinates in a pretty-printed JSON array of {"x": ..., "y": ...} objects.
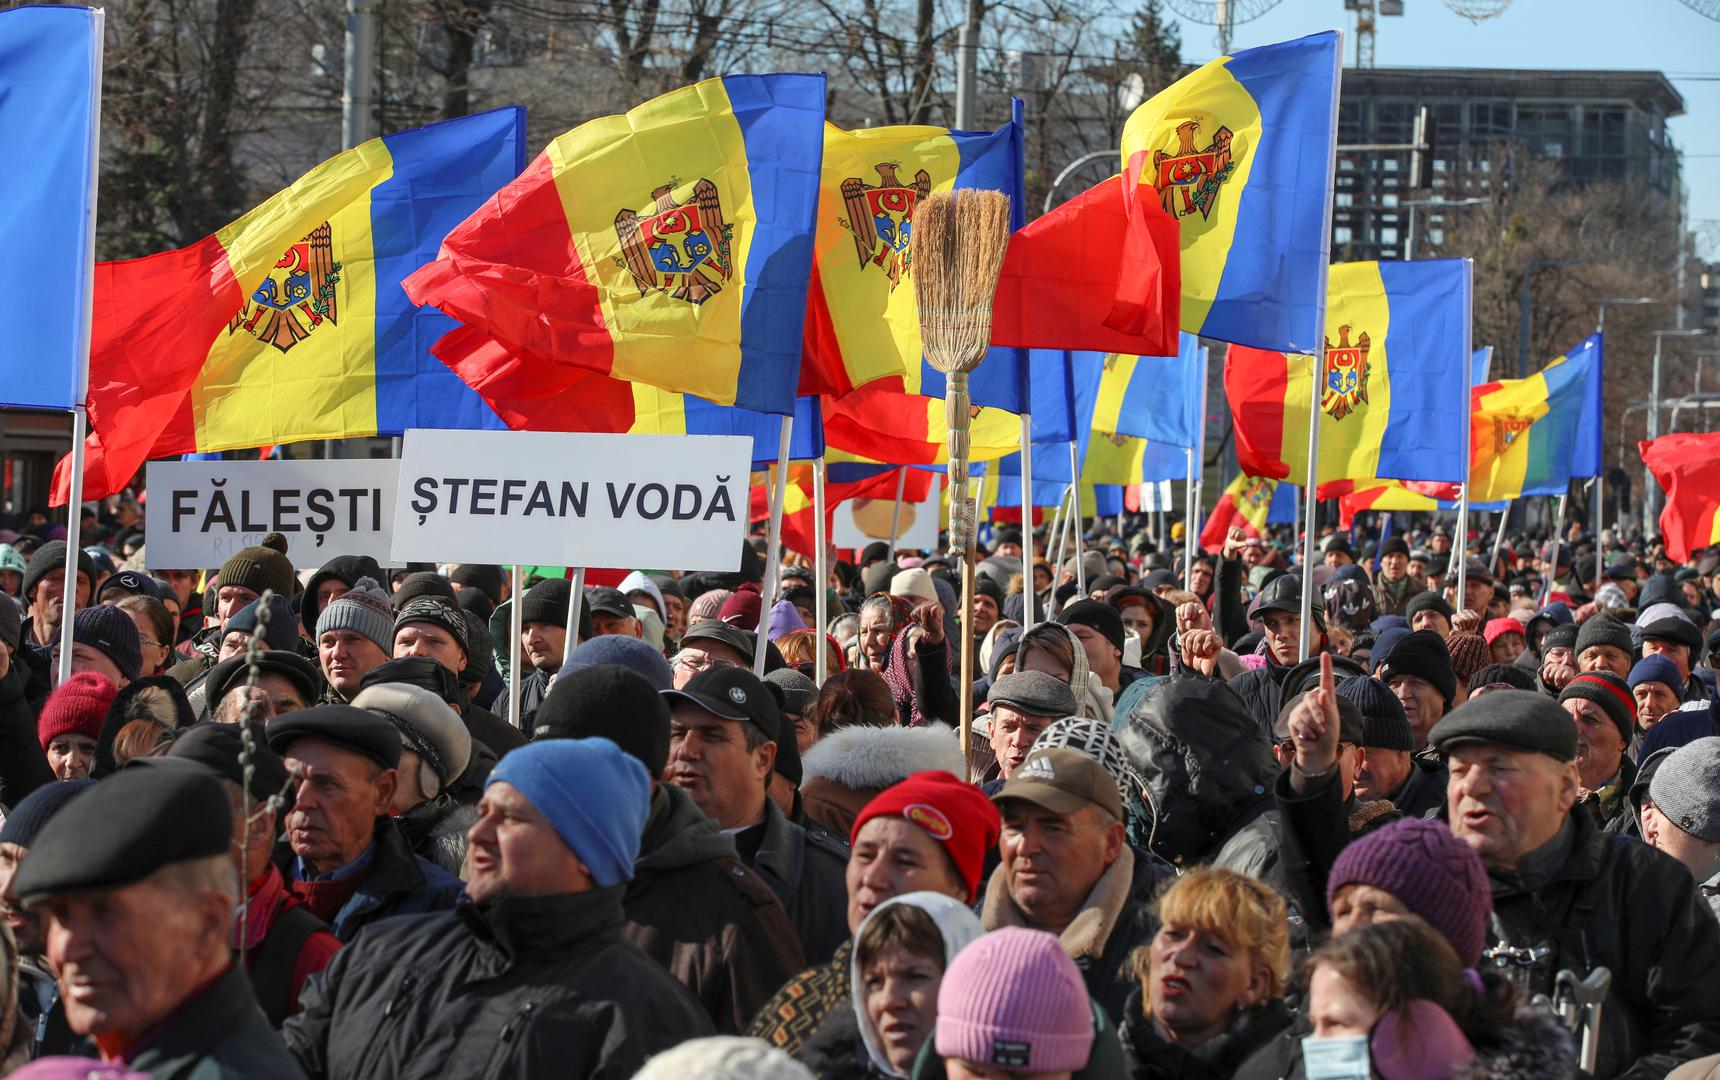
[
  {"x": 1656, "y": 668},
  {"x": 34, "y": 810},
  {"x": 629, "y": 652},
  {"x": 594, "y": 794},
  {"x": 283, "y": 630}
]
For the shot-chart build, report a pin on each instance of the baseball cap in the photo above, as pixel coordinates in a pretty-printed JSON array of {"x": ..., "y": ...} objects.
[
  {"x": 1063, "y": 781},
  {"x": 731, "y": 694},
  {"x": 607, "y": 601}
]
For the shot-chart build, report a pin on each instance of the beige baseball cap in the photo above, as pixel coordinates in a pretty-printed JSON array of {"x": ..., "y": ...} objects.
[{"x": 1063, "y": 781}]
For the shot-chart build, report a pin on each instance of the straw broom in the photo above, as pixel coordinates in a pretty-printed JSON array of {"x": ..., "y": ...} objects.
[{"x": 959, "y": 240}]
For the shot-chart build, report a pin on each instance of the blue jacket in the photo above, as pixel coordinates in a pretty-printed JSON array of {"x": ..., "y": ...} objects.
[{"x": 399, "y": 883}]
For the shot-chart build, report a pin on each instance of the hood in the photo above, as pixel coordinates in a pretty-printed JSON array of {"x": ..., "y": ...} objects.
[
  {"x": 1557, "y": 613},
  {"x": 1660, "y": 589},
  {"x": 957, "y": 925},
  {"x": 1164, "y": 621},
  {"x": 638, "y": 582},
  {"x": 684, "y": 836},
  {"x": 346, "y": 568},
  {"x": 999, "y": 641},
  {"x": 1203, "y": 760},
  {"x": 874, "y": 758},
  {"x": 1095, "y": 702}
]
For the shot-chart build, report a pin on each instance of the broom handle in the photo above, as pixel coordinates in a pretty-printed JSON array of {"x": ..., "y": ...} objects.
[
  {"x": 965, "y": 696},
  {"x": 957, "y": 417}
]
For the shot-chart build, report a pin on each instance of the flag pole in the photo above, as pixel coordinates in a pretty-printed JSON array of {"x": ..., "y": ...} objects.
[
  {"x": 896, "y": 512},
  {"x": 575, "y": 601},
  {"x": 773, "y": 556},
  {"x": 1075, "y": 518},
  {"x": 1027, "y": 594},
  {"x": 1197, "y": 468},
  {"x": 516, "y": 616},
  {"x": 74, "y": 525},
  {"x": 1462, "y": 546},
  {"x": 1499, "y": 537},
  {"x": 1188, "y": 518},
  {"x": 820, "y": 572},
  {"x": 1558, "y": 524},
  {"x": 1059, "y": 535}
]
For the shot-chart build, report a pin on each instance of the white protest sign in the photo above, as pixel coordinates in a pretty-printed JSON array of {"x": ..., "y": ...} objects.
[
  {"x": 542, "y": 497},
  {"x": 859, "y": 522},
  {"x": 202, "y": 512}
]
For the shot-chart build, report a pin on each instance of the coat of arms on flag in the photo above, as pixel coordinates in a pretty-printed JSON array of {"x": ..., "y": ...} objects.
[
  {"x": 1346, "y": 374},
  {"x": 1188, "y": 178},
  {"x": 683, "y": 249},
  {"x": 881, "y": 217},
  {"x": 297, "y": 296}
]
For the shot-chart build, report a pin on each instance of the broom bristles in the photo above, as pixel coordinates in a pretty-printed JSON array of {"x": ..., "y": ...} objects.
[{"x": 959, "y": 240}]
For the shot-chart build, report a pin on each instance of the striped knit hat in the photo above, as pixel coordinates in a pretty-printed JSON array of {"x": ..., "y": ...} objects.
[
  {"x": 1608, "y": 691},
  {"x": 365, "y": 610}
]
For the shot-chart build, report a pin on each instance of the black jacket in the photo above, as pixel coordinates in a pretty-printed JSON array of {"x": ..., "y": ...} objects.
[
  {"x": 346, "y": 569},
  {"x": 807, "y": 871},
  {"x": 218, "y": 1034},
  {"x": 1423, "y": 792},
  {"x": 1152, "y": 1057},
  {"x": 23, "y": 766},
  {"x": 523, "y": 987},
  {"x": 1111, "y": 978},
  {"x": 1313, "y": 828},
  {"x": 1617, "y": 903},
  {"x": 491, "y": 730},
  {"x": 397, "y": 883},
  {"x": 734, "y": 946}
]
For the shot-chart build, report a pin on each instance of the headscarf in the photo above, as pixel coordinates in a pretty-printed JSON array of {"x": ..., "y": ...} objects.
[{"x": 957, "y": 925}]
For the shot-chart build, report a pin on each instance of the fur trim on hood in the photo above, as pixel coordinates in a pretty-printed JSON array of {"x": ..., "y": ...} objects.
[
  {"x": 877, "y": 757},
  {"x": 1534, "y": 1045}
]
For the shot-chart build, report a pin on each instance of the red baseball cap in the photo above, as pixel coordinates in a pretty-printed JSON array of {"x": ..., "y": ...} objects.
[{"x": 954, "y": 813}]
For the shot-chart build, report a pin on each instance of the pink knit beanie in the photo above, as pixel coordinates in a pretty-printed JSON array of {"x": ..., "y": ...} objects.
[{"x": 1014, "y": 999}]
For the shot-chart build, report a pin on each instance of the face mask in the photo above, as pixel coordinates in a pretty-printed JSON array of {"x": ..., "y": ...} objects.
[{"x": 1341, "y": 1057}]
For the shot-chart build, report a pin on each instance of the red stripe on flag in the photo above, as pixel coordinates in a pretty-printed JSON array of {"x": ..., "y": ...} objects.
[
  {"x": 1255, "y": 384},
  {"x": 532, "y": 396}
]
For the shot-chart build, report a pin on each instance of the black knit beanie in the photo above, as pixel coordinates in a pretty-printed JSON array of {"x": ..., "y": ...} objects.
[{"x": 1423, "y": 654}]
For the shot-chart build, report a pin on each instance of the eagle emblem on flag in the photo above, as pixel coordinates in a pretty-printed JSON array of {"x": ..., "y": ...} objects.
[
  {"x": 1188, "y": 179},
  {"x": 1507, "y": 429},
  {"x": 1346, "y": 370},
  {"x": 296, "y": 297},
  {"x": 1257, "y": 491},
  {"x": 682, "y": 249},
  {"x": 881, "y": 217}
]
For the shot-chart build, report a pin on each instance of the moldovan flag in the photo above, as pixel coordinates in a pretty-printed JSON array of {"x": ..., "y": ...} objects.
[
  {"x": 1688, "y": 469},
  {"x": 671, "y": 245},
  {"x": 1154, "y": 397},
  {"x": 1245, "y": 505},
  {"x": 862, "y": 319},
  {"x": 50, "y": 92},
  {"x": 1532, "y": 436},
  {"x": 1241, "y": 153},
  {"x": 1395, "y": 378},
  {"x": 900, "y": 428},
  {"x": 291, "y": 323}
]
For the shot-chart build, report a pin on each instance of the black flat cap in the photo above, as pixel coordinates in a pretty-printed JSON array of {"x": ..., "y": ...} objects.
[
  {"x": 1674, "y": 629},
  {"x": 1034, "y": 693},
  {"x": 124, "y": 829},
  {"x": 304, "y": 674},
  {"x": 716, "y": 630},
  {"x": 1517, "y": 719},
  {"x": 359, "y": 730},
  {"x": 1351, "y": 725},
  {"x": 418, "y": 671},
  {"x": 216, "y": 748},
  {"x": 607, "y": 601}
]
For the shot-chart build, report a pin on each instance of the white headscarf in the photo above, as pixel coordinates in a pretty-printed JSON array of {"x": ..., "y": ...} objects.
[{"x": 957, "y": 925}]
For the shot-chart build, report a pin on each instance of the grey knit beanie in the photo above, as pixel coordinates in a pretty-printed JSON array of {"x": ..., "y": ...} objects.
[
  {"x": 1686, "y": 788},
  {"x": 365, "y": 609}
]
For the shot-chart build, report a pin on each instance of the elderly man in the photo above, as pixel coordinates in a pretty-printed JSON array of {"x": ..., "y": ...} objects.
[
  {"x": 285, "y": 682},
  {"x": 723, "y": 732},
  {"x": 1386, "y": 765},
  {"x": 284, "y": 943},
  {"x": 708, "y": 644},
  {"x": 1067, "y": 869},
  {"x": 1601, "y": 705},
  {"x": 135, "y": 882},
  {"x": 1418, "y": 671},
  {"x": 1393, "y": 583},
  {"x": 1655, "y": 684},
  {"x": 354, "y": 635},
  {"x": 1023, "y": 704},
  {"x": 351, "y": 865},
  {"x": 435, "y": 749},
  {"x": 612, "y": 613},
  {"x": 38, "y": 985},
  {"x": 1681, "y": 815},
  {"x": 1679, "y": 641},
  {"x": 1477, "y": 588},
  {"x": 1567, "y": 896},
  {"x": 431, "y": 626},
  {"x": 530, "y": 975},
  {"x": 1604, "y": 644},
  {"x": 735, "y": 946},
  {"x": 929, "y": 833}
]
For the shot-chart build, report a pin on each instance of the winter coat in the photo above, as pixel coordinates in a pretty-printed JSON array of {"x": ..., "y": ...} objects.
[
  {"x": 524, "y": 987},
  {"x": 1116, "y": 918},
  {"x": 396, "y": 883},
  {"x": 1616, "y": 814},
  {"x": 217, "y": 1035},
  {"x": 491, "y": 730},
  {"x": 1615, "y": 902},
  {"x": 807, "y": 870},
  {"x": 836, "y": 1052},
  {"x": 843, "y": 771},
  {"x": 1313, "y": 827},
  {"x": 1208, "y": 769},
  {"x": 346, "y": 569},
  {"x": 23, "y": 766},
  {"x": 435, "y": 830},
  {"x": 712, "y": 923},
  {"x": 1153, "y": 1057},
  {"x": 1229, "y": 606},
  {"x": 1390, "y": 597},
  {"x": 1423, "y": 791},
  {"x": 789, "y": 1019},
  {"x": 1534, "y": 1046}
]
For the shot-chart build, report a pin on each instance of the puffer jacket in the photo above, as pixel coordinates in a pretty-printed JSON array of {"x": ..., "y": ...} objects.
[
  {"x": 1614, "y": 902},
  {"x": 846, "y": 769},
  {"x": 522, "y": 987},
  {"x": 712, "y": 923},
  {"x": 1208, "y": 770},
  {"x": 1153, "y": 1057}
]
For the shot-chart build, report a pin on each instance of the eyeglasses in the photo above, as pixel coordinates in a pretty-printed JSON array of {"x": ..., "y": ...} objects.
[{"x": 699, "y": 662}]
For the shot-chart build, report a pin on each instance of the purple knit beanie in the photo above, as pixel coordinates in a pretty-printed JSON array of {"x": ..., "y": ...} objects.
[
  {"x": 1014, "y": 999},
  {"x": 1436, "y": 875}
]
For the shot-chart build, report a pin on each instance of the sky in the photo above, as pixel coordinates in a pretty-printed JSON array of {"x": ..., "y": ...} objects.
[{"x": 1635, "y": 35}]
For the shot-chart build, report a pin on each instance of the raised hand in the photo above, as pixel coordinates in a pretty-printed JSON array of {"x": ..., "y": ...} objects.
[
  {"x": 1314, "y": 724},
  {"x": 1200, "y": 649}
]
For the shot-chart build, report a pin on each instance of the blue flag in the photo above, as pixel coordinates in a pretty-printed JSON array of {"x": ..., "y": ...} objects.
[{"x": 50, "y": 87}]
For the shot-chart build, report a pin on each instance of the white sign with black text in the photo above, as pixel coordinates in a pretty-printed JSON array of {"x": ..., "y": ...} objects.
[
  {"x": 541, "y": 497},
  {"x": 202, "y": 512}
]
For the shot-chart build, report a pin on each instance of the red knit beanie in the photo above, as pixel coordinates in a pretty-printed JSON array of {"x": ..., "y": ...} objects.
[
  {"x": 955, "y": 814},
  {"x": 78, "y": 707}
]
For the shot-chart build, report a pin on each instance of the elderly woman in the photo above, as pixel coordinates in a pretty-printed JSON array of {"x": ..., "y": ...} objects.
[
  {"x": 1212, "y": 978},
  {"x": 1054, "y": 649}
]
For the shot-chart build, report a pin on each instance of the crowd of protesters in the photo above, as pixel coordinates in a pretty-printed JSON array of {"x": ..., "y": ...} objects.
[{"x": 276, "y": 822}]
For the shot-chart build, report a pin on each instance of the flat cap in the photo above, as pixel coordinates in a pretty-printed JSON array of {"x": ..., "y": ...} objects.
[
  {"x": 428, "y": 726},
  {"x": 1675, "y": 629},
  {"x": 359, "y": 730},
  {"x": 216, "y": 748},
  {"x": 124, "y": 829},
  {"x": 303, "y": 673},
  {"x": 1516, "y": 719},
  {"x": 742, "y": 641},
  {"x": 1034, "y": 693}
]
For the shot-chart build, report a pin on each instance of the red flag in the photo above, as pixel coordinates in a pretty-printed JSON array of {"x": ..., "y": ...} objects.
[
  {"x": 1687, "y": 467},
  {"x": 1093, "y": 275}
]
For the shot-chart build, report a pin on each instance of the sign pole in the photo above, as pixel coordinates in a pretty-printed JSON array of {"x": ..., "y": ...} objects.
[
  {"x": 773, "y": 556},
  {"x": 1027, "y": 593},
  {"x": 896, "y": 511},
  {"x": 1558, "y": 524},
  {"x": 575, "y": 601},
  {"x": 516, "y": 616},
  {"x": 820, "y": 572},
  {"x": 74, "y": 524},
  {"x": 1075, "y": 518}
]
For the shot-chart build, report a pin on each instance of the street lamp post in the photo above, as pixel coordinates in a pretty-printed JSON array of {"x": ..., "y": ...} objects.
[
  {"x": 1649, "y": 487},
  {"x": 1431, "y": 204},
  {"x": 1601, "y": 322}
]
